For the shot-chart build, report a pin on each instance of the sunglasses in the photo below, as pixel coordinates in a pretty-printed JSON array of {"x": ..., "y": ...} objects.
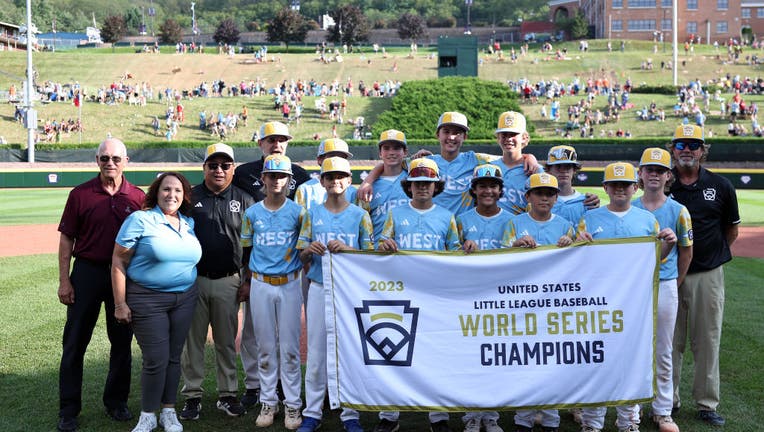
[
  {"x": 487, "y": 171},
  {"x": 106, "y": 159},
  {"x": 423, "y": 172},
  {"x": 225, "y": 166},
  {"x": 693, "y": 145}
]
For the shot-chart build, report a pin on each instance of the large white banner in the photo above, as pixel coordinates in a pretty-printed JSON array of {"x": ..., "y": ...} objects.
[{"x": 544, "y": 328}]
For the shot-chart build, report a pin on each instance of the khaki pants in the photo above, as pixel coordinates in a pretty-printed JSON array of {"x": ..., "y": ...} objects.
[
  {"x": 701, "y": 307},
  {"x": 217, "y": 306}
]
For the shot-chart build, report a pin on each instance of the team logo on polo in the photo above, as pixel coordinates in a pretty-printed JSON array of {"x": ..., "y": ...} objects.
[
  {"x": 234, "y": 206},
  {"x": 709, "y": 194},
  {"x": 387, "y": 329}
]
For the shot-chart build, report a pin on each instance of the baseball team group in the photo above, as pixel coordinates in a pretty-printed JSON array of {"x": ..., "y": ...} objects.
[{"x": 176, "y": 261}]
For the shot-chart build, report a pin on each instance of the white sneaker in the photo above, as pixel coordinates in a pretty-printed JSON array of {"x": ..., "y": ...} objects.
[
  {"x": 292, "y": 418},
  {"x": 168, "y": 419},
  {"x": 473, "y": 425},
  {"x": 267, "y": 412},
  {"x": 590, "y": 429},
  {"x": 665, "y": 423},
  {"x": 631, "y": 428},
  {"x": 146, "y": 423},
  {"x": 490, "y": 425}
]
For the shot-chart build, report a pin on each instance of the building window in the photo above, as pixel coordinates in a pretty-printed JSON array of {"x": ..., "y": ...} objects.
[
  {"x": 692, "y": 4},
  {"x": 641, "y": 25},
  {"x": 722, "y": 4},
  {"x": 745, "y": 13},
  {"x": 666, "y": 24},
  {"x": 617, "y": 25},
  {"x": 760, "y": 13},
  {"x": 642, "y": 3},
  {"x": 692, "y": 27},
  {"x": 617, "y": 3},
  {"x": 721, "y": 27},
  {"x": 666, "y": 3}
]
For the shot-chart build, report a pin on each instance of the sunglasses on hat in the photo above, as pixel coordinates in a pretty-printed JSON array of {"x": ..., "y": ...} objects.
[
  {"x": 692, "y": 145},
  {"x": 423, "y": 172}
]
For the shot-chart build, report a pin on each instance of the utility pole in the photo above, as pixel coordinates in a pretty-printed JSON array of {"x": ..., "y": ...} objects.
[{"x": 31, "y": 114}]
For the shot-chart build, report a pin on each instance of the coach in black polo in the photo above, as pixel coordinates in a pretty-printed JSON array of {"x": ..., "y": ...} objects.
[{"x": 218, "y": 207}]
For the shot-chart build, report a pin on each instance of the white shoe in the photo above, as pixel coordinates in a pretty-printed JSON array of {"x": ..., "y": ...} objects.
[
  {"x": 267, "y": 412},
  {"x": 631, "y": 428},
  {"x": 490, "y": 425},
  {"x": 168, "y": 419},
  {"x": 472, "y": 425},
  {"x": 292, "y": 418},
  {"x": 590, "y": 429},
  {"x": 665, "y": 423},
  {"x": 146, "y": 423}
]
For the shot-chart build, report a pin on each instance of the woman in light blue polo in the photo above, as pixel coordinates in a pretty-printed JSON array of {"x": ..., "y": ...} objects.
[{"x": 153, "y": 273}]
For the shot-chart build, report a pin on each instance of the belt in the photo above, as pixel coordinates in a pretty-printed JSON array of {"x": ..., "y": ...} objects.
[
  {"x": 277, "y": 279},
  {"x": 217, "y": 274}
]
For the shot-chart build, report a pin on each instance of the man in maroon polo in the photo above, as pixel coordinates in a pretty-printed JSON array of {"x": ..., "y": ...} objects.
[{"x": 92, "y": 217}]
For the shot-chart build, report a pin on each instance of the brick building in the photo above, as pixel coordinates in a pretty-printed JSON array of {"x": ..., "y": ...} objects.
[{"x": 709, "y": 20}]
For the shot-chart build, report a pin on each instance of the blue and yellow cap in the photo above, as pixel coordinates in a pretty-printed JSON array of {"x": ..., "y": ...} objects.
[
  {"x": 423, "y": 170},
  {"x": 277, "y": 163},
  {"x": 487, "y": 171},
  {"x": 620, "y": 172},
  {"x": 334, "y": 145},
  {"x": 335, "y": 164}
]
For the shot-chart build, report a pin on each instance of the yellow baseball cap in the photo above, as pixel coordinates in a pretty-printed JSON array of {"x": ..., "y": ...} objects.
[
  {"x": 423, "y": 169},
  {"x": 655, "y": 156},
  {"x": 511, "y": 121},
  {"x": 542, "y": 180},
  {"x": 277, "y": 163},
  {"x": 392, "y": 135},
  {"x": 218, "y": 149},
  {"x": 334, "y": 145},
  {"x": 620, "y": 172},
  {"x": 453, "y": 118},
  {"x": 274, "y": 128},
  {"x": 689, "y": 132},
  {"x": 335, "y": 164},
  {"x": 562, "y": 154}
]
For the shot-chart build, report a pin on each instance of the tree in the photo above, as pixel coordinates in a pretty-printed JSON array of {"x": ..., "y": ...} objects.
[
  {"x": 411, "y": 26},
  {"x": 170, "y": 32},
  {"x": 113, "y": 29},
  {"x": 576, "y": 27},
  {"x": 287, "y": 26},
  {"x": 227, "y": 32},
  {"x": 350, "y": 26}
]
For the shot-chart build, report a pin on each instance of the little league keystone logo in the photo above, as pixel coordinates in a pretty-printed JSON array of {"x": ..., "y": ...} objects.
[{"x": 388, "y": 330}]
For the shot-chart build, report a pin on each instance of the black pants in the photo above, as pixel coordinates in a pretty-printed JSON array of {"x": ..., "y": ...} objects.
[{"x": 92, "y": 286}]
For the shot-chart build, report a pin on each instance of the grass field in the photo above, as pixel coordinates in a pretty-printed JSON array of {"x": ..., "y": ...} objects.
[
  {"x": 36, "y": 206},
  {"x": 30, "y": 348},
  {"x": 95, "y": 69}
]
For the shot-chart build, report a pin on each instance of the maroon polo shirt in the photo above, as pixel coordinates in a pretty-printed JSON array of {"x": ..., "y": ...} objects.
[{"x": 92, "y": 217}]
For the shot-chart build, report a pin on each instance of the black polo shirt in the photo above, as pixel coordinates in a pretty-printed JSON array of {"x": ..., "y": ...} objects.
[
  {"x": 712, "y": 203},
  {"x": 217, "y": 224},
  {"x": 247, "y": 177}
]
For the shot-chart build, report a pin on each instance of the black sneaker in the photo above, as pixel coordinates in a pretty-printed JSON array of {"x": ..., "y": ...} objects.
[
  {"x": 440, "y": 426},
  {"x": 191, "y": 409},
  {"x": 119, "y": 413},
  {"x": 250, "y": 398},
  {"x": 711, "y": 417},
  {"x": 385, "y": 425},
  {"x": 231, "y": 406},
  {"x": 67, "y": 424}
]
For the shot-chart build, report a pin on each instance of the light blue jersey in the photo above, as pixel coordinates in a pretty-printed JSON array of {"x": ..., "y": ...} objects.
[
  {"x": 458, "y": 177},
  {"x": 164, "y": 258},
  {"x": 412, "y": 229},
  {"x": 675, "y": 216},
  {"x": 515, "y": 185},
  {"x": 312, "y": 193},
  {"x": 273, "y": 235},
  {"x": 351, "y": 226},
  {"x": 388, "y": 194},
  {"x": 543, "y": 232},
  {"x": 602, "y": 223},
  {"x": 570, "y": 207},
  {"x": 488, "y": 232}
]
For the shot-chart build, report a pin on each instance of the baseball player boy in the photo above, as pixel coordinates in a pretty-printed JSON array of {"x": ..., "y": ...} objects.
[
  {"x": 484, "y": 227},
  {"x": 269, "y": 235},
  {"x": 420, "y": 225},
  {"x": 312, "y": 193},
  {"x": 654, "y": 176},
  {"x": 333, "y": 226},
  {"x": 619, "y": 219},
  {"x": 562, "y": 162},
  {"x": 388, "y": 192}
]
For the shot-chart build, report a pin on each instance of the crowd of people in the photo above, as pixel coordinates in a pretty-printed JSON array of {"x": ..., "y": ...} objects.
[{"x": 169, "y": 263}]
